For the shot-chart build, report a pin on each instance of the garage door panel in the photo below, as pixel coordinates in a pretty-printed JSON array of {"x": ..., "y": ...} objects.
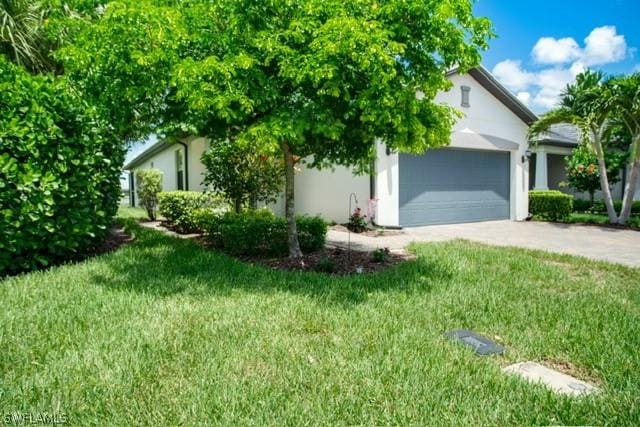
[{"x": 451, "y": 186}]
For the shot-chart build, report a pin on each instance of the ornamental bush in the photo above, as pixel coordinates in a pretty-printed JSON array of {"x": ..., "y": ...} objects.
[
  {"x": 259, "y": 232},
  {"x": 149, "y": 183},
  {"x": 179, "y": 208},
  {"x": 550, "y": 205},
  {"x": 59, "y": 172}
]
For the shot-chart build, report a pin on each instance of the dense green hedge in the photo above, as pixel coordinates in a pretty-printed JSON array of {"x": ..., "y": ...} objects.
[
  {"x": 260, "y": 232},
  {"x": 584, "y": 206},
  {"x": 550, "y": 205},
  {"x": 179, "y": 207},
  {"x": 59, "y": 174}
]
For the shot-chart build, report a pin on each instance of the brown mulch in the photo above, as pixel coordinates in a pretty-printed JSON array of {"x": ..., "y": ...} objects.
[
  {"x": 332, "y": 261},
  {"x": 377, "y": 232}
]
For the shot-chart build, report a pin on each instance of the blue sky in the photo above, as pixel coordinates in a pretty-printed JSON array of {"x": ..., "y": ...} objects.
[{"x": 542, "y": 44}]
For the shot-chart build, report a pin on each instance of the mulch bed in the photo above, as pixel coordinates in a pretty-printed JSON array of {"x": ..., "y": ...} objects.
[{"x": 332, "y": 261}]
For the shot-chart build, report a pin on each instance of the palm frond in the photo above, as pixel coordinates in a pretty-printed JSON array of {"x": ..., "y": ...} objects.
[
  {"x": 554, "y": 117},
  {"x": 21, "y": 33}
]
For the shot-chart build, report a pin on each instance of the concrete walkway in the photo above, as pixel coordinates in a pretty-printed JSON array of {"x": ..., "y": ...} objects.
[{"x": 599, "y": 243}]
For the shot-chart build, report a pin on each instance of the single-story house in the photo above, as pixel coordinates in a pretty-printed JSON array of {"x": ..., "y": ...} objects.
[{"x": 484, "y": 174}]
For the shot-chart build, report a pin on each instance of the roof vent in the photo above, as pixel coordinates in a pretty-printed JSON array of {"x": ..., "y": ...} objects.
[{"x": 465, "y": 96}]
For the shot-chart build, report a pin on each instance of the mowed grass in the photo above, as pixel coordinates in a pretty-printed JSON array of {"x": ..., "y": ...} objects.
[{"x": 162, "y": 332}]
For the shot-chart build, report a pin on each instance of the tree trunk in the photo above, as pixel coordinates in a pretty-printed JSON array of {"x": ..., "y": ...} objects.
[
  {"x": 592, "y": 197},
  {"x": 604, "y": 181},
  {"x": 629, "y": 192},
  {"x": 238, "y": 205},
  {"x": 290, "y": 212}
]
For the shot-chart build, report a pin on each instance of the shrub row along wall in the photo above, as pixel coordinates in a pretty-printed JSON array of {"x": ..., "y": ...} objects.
[
  {"x": 179, "y": 208},
  {"x": 585, "y": 206},
  {"x": 59, "y": 175}
]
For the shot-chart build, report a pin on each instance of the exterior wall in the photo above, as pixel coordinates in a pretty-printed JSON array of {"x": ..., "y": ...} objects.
[
  {"x": 165, "y": 161},
  {"x": 326, "y": 193},
  {"x": 487, "y": 125},
  {"x": 197, "y": 147}
]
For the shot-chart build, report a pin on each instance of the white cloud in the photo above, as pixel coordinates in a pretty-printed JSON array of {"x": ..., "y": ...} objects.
[
  {"x": 604, "y": 46},
  {"x": 561, "y": 61},
  {"x": 556, "y": 51},
  {"x": 511, "y": 74},
  {"x": 524, "y": 97}
]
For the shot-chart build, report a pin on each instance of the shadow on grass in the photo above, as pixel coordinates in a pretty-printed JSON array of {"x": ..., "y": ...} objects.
[{"x": 160, "y": 265}]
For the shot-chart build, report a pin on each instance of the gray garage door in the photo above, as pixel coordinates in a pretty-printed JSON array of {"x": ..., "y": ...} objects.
[{"x": 449, "y": 186}]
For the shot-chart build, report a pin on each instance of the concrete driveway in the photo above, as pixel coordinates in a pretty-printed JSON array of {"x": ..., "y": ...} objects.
[{"x": 599, "y": 243}]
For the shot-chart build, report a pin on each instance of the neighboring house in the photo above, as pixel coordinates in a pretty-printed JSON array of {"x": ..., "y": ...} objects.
[{"x": 483, "y": 174}]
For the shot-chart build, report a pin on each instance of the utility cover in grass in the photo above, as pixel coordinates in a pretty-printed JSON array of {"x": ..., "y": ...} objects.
[
  {"x": 557, "y": 381},
  {"x": 483, "y": 346}
]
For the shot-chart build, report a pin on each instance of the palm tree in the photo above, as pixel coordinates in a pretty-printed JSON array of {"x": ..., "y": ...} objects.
[
  {"x": 585, "y": 104},
  {"x": 21, "y": 34},
  {"x": 625, "y": 102}
]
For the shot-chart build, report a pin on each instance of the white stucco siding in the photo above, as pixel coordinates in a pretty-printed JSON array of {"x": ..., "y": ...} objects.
[
  {"x": 165, "y": 162},
  {"x": 197, "y": 147},
  {"x": 326, "y": 192}
]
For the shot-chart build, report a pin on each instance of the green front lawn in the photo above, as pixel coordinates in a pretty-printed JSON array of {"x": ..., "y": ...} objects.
[{"x": 165, "y": 333}]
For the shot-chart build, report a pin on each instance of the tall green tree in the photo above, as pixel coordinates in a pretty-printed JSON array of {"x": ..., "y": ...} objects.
[
  {"x": 598, "y": 106},
  {"x": 625, "y": 103},
  {"x": 325, "y": 79},
  {"x": 243, "y": 175},
  {"x": 584, "y": 104}
]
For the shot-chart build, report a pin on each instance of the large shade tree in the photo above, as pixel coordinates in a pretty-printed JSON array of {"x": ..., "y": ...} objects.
[{"x": 323, "y": 80}]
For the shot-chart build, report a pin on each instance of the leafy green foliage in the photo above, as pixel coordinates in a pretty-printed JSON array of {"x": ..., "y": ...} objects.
[
  {"x": 122, "y": 63},
  {"x": 179, "y": 208},
  {"x": 550, "y": 205},
  {"x": 583, "y": 173},
  {"x": 149, "y": 185},
  {"x": 260, "y": 233},
  {"x": 242, "y": 173},
  {"x": 59, "y": 172}
]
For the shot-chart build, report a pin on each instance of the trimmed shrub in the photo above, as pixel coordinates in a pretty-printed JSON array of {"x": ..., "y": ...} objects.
[
  {"x": 260, "y": 232},
  {"x": 312, "y": 233},
  {"x": 59, "y": 172},
  {"x": 550, "y": 205},
  {"x": 149, "y": 183},
  {"x": 179, "y": 208}
]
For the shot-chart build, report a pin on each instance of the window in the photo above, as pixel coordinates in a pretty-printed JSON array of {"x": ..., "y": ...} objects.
[
  {"x": 465, "y": 96},
  {"x": 179, "y": 170}
]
